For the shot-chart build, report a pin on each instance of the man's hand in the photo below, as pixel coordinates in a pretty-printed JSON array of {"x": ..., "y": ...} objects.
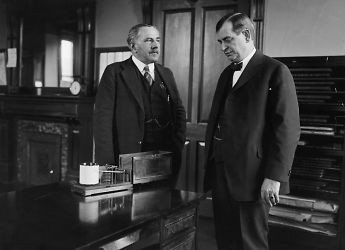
[{"x": 270, "y": 191}]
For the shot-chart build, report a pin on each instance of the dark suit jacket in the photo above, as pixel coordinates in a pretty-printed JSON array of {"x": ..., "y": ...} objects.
[
  {"x": 119, "y": 112},
  {"x": 264, "y": 130}
]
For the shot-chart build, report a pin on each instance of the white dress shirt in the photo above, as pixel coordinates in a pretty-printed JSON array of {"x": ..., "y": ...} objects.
[
  {"x": 140, "y": 65},
  {"x": 238, "y": 73}
]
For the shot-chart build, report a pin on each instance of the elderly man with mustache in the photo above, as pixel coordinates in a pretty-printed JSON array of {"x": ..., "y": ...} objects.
[{"x": 138, "y": 107}]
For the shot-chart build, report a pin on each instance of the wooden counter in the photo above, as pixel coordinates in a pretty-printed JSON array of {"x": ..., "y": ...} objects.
[{"x": 52, "y": 217}]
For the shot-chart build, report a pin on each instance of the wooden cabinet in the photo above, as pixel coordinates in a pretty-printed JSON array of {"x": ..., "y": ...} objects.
[
  {"x": 318, "y": 172},
  {"x": 178, "y": 230},
  {"x": 44, "y": 139},
  {"x": 5, "y": 134},
  {"x": 52, "y": 217},
  {"x": 173, "y": 231}
]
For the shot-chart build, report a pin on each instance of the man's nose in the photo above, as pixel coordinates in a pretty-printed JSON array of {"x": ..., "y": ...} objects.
[
  {"x": 223, "y": 46},
  {"x": 155, "y": 44}
]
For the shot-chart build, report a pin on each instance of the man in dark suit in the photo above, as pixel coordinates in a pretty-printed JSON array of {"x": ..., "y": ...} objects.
[
  {"x": 251, "y": 137},
  {"x": 138, "y": 107}
]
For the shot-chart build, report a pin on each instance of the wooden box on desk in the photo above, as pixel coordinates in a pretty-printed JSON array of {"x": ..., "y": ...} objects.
[{"x": 147, "y": 166}]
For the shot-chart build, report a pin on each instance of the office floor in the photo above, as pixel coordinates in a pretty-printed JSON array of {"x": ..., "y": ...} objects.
[{"x": 206, "y": 235}]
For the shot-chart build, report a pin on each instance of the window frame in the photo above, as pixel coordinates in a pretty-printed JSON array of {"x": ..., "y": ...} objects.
[{"x": 98, "y": 52}]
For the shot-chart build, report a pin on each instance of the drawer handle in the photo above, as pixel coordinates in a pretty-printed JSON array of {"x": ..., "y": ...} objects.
[
  {"x": 123, "y": 242},
  {"x": 179, "y": 225}
]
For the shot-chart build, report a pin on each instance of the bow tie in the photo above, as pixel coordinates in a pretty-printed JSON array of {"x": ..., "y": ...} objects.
[{"x": 236, "y": 66}]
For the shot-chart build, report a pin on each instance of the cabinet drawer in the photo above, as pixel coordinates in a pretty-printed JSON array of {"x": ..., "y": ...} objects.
[
  {"x": 183, "y": 242},
  {"x": 147, "y": 236},
  {"x": 178, "y": 222}
]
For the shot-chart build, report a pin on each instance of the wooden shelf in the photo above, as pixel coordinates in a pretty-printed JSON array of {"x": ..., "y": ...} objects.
[{"x": 318, "y": 170}]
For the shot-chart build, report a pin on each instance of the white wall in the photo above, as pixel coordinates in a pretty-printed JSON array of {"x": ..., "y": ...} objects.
[
  {"x": 292, "y": 27},
  {"x": 304, "y": 27},
  {"x": 114, "y": 18}
]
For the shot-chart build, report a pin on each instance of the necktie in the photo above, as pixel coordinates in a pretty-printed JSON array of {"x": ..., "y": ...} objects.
[
  {"x": 147, "y": 75},
  {"x": 236, "y": 66}
]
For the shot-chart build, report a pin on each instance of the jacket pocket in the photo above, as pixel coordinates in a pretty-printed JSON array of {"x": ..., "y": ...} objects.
[{"x": 259, "y": 152}]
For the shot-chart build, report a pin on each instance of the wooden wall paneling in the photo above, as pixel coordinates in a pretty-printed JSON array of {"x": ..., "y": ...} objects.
[
  {"x": 12, "y": 42},
  {"x": 7, "y": 149},
  {"x": 177, "y": 45},
  {"x": 80, "y": 134},
  {"x": 4, "y": 146},
  {"x": 257, "y": 13},
  {"x": 200, "y": 161},
  {"x": 3, "y": 140},
  {"x": 183, "y": 178},
  {"x": 213, "y": 60},
  {"x": 87, "y": 77},
  {"x": 74, "y": 144},
  {"x": 146, "y": 6},
  {"x": 190, "y": 50}
]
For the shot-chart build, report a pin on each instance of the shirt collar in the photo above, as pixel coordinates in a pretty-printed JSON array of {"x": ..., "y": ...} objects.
[
  {"x": 140, "y": 65},
  {"x": 246, "y": 60}
]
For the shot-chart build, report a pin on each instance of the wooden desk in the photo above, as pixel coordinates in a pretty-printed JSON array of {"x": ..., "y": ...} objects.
[{"x": 52, "y": 217}]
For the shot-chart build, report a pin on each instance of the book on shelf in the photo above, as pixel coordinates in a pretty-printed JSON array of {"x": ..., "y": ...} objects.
[
  {"x": 302, "y": 143},
  {"x": 309, "y": 75},
  {"x": 312, "y": 88},
  {"x": 326, "y": 229},
  {"x": 315, "y": 96},
  {"x": 311, "y": 118},
  {"x": 317, "y": 128},
  {"x": 302, "y": 215},
  {"x": 308, "y": 173},
  {"x": 314, "y": 83},
  {"x": 331, "y": 175},
  {"x": 316, "y": 166},
  {"x": 301, "y": 163},
  {"x": 313, "y": 101},
  {"x": 333, "y": 146},
  {"x": 315, "y": 132},
  {"x": 322, "y": 161},
  {"x": 322, "y": 187},
  {"x": 312, "y": 204}
]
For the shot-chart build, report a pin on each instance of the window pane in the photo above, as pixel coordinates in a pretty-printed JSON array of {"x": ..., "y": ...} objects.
[
  {"x": 66, "y": 63},
  {"x": 106, "y": 58}
]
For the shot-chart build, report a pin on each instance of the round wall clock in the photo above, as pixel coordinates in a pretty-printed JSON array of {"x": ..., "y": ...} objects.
[{"x": 75, "y": 88}]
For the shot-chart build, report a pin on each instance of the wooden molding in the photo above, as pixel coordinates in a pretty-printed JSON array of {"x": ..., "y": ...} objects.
[{"x": 257, "y": 13}]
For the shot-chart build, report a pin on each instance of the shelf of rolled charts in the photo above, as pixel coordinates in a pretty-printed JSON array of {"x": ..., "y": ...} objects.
[{"x": 312, "y": 215}]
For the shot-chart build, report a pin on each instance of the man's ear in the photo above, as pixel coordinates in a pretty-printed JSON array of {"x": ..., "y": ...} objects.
[
  {"x": 246, "y": 34},
  {"x": 132, "y": 47}
]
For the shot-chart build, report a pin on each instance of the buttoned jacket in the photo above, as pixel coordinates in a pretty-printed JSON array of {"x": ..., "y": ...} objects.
[
  {"x": 264, "y": 128},
  {"x": 119, "y": 111}
]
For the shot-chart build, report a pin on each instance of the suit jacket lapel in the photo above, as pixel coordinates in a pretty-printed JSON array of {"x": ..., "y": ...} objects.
[
  {"x": 164, "y": 78},
  {"x": 129, "y": 76},
  {"x": 251, "y": 69},
  {"x": 222, "y": 87}
]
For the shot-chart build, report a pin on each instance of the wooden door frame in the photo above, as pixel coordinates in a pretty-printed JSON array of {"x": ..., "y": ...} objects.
[
  {"x": 257, "y": 14},
  {"x": 196, "y": 124}
]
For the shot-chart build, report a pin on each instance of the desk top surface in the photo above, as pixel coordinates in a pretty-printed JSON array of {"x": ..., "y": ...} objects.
[{"x": 52, "y": 217}]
